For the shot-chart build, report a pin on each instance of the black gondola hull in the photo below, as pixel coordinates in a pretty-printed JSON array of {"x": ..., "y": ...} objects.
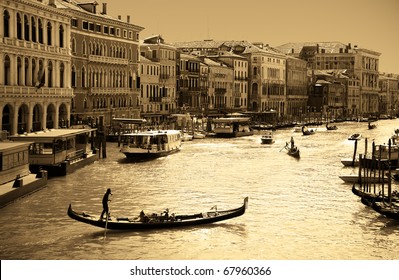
[{"x": 179, "y": 220}]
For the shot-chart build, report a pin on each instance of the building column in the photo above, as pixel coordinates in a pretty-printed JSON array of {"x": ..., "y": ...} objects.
[
  {"x": 29, "y": 125},
  {"x": 14, "y": 127},
  {"x": 13, "y": 70},
  {"x": 2, "y": 67},
  {"x": 57, "y": 116},
  {"x": 44, "y": 116}
]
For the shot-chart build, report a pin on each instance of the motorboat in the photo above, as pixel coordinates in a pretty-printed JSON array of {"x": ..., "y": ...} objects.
[{"x": 151, "y": 144}]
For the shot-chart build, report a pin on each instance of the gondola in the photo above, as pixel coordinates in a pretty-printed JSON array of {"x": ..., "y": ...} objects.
[
  {"x": 331, "y": 127},
  {"x": 390, "y": 211},
  {"x": 159, "y": 221},
  {"x": 294, "y": 152},
  {"x": 355, "y": 136},
  {"x": 373, "y": 196},
  {"x": 306, "y": 131}
]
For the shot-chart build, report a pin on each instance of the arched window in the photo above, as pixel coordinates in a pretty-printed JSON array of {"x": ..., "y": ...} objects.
[
  {"x": 19, "y": 71},
  {"x": 33, "y": 81},
  {"x": 40, "y": 31},
  {"x": 62, "y": 72},
  {"x": 73, "y": 46},
  {"x": 49, "y": 34},
  {"x": 50, "y": 74},
  {"x": 73, "y": 77},
  {"x": 26, "y": 71},
  {"x": 83, "y": 78},
  {"x": 26, "y": 28},
  {"x": 7, "y": 65},
  {"x": 61, "y": 36},
  {"x": 33, "y": 27},
  {"x": 84, "y": 51},
  {"x": 6, "y": 23},
  {"x": 19, "y": 27}
]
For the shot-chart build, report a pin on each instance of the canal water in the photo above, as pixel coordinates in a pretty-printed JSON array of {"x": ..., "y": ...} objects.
[{"x": 298, "y": 209}]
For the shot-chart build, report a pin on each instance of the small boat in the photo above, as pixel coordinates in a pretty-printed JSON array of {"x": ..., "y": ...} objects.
[
  {"x": 356, "y": 179},
  {"x": 298, "y": 128},
  {"x": 267, "y": 138},
  {"x": 385, "y": 208},
  {"x": 350, "y": 161},
  {"x": 371, "y": 125},
  {"x": 294, "y": 152},
  {"x": 186, "y": 137},
  {"x": 357, "y": 190},
  {"x": 198, "y": 135},
  {"x": 307, "y": 131},
  {"x": 151, "y": 144},
  {"x": 355, "y": 136},
  {"x": 331, "y": 127},
  {"x": 154, "y": 221},
  {"x": 232, "y": 127}
]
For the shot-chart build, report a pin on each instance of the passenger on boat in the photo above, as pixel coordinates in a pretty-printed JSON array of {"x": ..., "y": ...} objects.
[
  {"x": 143, "y": 217},
  {"x": 106, "y": 198}
]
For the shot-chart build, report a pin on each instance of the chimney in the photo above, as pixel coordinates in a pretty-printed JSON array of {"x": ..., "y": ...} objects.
[
  {"x": 128, "y": 19},
  {"x": 104, "y": 9},
  {"x": 51, "y": 3},
  {"x": 119, "y": 17},
  {"x": 349, "y": 46}
]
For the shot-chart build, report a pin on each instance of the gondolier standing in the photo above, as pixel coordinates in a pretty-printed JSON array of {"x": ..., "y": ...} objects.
[{"x": 106, "y": 198}]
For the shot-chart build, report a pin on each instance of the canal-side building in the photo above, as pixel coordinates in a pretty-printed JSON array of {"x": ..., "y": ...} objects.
[
  {"x": 239, "y": 64},
  {"x": 223, "y": 52},
  {"x": 150, "y": 98},
  {"x": 327, "y": 90},
  {"x": 105, "y": 63},
  {"x": 361, "y": 67},
  {"x": 35, "y": 61},
  {"x": 389, "y": 95},
  {"x": 267, "y": 76},
  {"x": 296, "y": 87},
  {"x": 164, "y": 103},
  {"x": 220, "y": 86},
  {"x": 188, "y": 86}
]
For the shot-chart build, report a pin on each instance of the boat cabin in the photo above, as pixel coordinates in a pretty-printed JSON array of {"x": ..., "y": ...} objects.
[
  {"x": 53, "y": 148},
  {"x": 13, "y": 160},
  {"x": 151, "y": 143},
  {"x": 232, "y": 127}
]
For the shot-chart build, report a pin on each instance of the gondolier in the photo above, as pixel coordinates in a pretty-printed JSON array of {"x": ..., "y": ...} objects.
[{"x": 106, "y": 198}]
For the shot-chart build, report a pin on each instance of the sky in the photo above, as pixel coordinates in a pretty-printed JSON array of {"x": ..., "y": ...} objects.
[{"x": 370, "y": 24}]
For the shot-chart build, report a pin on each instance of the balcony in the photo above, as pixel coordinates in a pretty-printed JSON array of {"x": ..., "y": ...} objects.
[
  {"x": 108, "y": 60},
  {"x": 29, "y": 92},
  {"x": 34, "y": 46}
]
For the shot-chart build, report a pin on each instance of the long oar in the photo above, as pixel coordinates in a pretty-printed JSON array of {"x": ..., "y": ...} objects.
[
  {"x": 283, "y": 148},
  {"x": 106, "y": 221}
]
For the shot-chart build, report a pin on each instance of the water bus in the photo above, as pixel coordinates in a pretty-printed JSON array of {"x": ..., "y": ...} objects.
[{"x": 150, "y": 144}]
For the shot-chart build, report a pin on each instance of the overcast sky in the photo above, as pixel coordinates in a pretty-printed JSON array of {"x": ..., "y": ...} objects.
[{"x": 371, "y": 24}]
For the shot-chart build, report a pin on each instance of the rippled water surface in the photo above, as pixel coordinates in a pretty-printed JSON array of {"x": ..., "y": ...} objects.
[{"x": 298, "y": 209}]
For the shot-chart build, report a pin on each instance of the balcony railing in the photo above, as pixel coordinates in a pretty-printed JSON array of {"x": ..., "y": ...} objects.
[
  {"x": 22, "y": 91},
  {"x": 109, "y": 60},
  {"x": 34, "y": 46}
]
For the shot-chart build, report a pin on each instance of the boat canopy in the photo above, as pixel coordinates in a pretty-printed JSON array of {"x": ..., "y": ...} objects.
[
  {"x": 232, "y": 120},
  {"x": 48, "y": 135}
]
